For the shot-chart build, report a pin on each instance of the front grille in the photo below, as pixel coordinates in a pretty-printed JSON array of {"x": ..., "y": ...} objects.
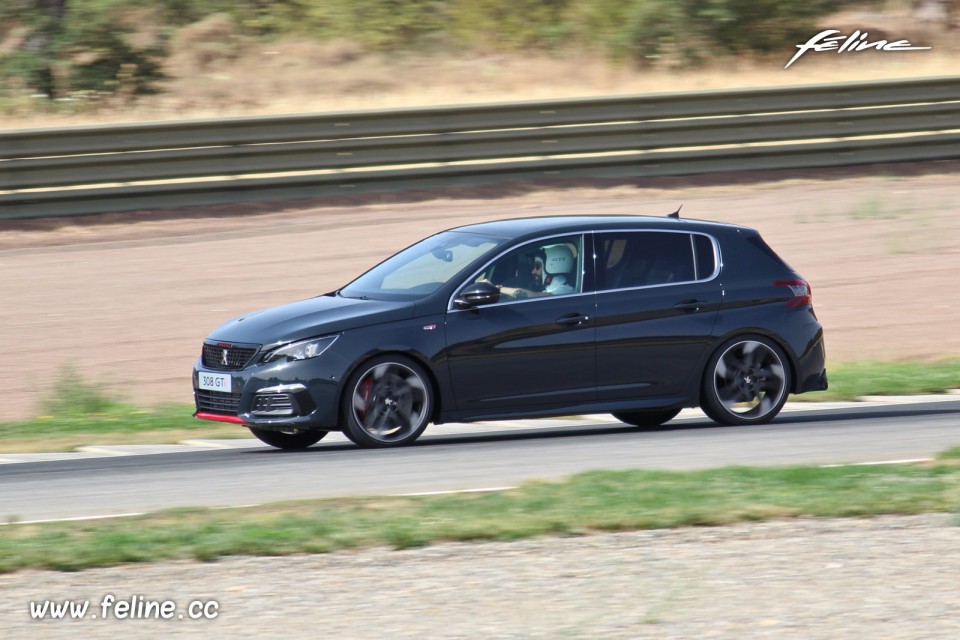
[
  {"x": 273, "y": 404},
  {"x": 236, "y": 357},
  {"x": 218, "y": 402}
]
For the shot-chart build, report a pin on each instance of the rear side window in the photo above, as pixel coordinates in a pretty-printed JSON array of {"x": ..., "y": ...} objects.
[
  {"x": 649, "y": 258},
  {"x": 706, "y": 257}
]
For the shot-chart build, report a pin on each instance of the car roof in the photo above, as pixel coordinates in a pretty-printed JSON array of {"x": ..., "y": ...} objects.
[{"x": 523, "y": 227}]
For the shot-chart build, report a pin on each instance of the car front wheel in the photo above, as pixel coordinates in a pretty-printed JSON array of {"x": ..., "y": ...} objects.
[
  {"x": 388, "y": 403},
  {"x": 746, "y": 381},
  {"x": 293, "y": 440}
]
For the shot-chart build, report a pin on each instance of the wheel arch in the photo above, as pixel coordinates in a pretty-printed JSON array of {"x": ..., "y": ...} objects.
[{"x": 419, "y": 358}]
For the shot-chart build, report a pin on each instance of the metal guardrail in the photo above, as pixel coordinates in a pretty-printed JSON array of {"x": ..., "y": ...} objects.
[{"x": 79, "y": 170}]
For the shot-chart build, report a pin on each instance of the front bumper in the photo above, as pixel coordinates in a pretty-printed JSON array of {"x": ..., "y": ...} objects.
[{"x": 279, "y": 396}]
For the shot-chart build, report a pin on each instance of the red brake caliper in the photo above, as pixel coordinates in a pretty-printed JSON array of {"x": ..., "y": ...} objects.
[{"x": 365, "y": 388}]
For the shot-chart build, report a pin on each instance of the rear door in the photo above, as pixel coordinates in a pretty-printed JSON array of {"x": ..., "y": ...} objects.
[{"x": 657, "y": 300}]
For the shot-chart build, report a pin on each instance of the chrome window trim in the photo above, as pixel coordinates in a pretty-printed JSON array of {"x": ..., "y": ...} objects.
[
  {"x": 580, "y": 261},
  {"x": 651, "y": 286},
  {"x": 716, "y": 258},
  {"x": 717, "y": 263},
  {"x": 693, "y": 252}
]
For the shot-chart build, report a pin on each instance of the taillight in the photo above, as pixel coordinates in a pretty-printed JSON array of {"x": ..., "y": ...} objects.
[{"x": 802, "y": 293}]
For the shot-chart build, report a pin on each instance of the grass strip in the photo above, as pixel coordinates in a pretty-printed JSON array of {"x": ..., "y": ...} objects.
[
  {"x": 585, "y": 503},
  {"x": 118, "y": 424},
  {"x": 853, "y": 380}
]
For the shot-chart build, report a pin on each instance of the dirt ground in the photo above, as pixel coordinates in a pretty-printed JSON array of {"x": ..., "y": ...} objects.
[{"x": 126, "y": 299}]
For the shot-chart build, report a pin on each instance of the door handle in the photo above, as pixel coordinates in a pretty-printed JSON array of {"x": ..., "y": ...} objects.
[
  {"x": 572, "y": 320},
  {"x": 690, "y": 305}
]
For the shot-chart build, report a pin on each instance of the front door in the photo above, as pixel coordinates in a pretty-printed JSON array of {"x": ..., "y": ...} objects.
[{"x": 535, "y": 348}]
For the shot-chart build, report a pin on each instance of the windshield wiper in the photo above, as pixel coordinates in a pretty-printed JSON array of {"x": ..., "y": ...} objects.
[{"x": 340, "y": 293}]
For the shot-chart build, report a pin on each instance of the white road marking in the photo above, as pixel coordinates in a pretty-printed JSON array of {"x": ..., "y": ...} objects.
[
  {"x": 878, "y": 462},
  {"x": 443, "y": 493},
  {"x": 76, "y": 519},
  {"x": 225, "y": 443},
  {"x": 106, "y": 451}
]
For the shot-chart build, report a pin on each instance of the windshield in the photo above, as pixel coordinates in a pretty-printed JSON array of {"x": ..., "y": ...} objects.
[{"x": 421, "y": 269}]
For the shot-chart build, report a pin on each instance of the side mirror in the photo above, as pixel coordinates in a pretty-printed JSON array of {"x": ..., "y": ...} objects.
[{"x": 477, "y": 294}]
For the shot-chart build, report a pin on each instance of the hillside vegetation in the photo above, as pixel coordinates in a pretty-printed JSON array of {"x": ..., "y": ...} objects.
[{"x": 93, "y": 55}]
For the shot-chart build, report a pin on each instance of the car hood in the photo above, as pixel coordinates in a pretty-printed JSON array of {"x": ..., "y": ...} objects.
[{"x": 309, "y": 318}]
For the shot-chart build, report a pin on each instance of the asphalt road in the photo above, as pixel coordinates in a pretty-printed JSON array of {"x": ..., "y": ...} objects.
[{"x": 439, "y": 462}]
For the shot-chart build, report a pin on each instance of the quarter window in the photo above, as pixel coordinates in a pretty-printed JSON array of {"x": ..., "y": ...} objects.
[
  {"x": 649, "y": 258},
  {"x": 706, "y": 258}
]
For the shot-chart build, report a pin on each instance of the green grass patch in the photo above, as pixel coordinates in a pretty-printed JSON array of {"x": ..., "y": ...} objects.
[
  {"x": 115, "y": 419},
  {"x": 850, "y": 381},
  {"x": 114, "y": 424},
  {"x": 586, "y": 503}
]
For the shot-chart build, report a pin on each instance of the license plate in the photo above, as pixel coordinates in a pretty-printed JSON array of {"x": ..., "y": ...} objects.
[{"x": 214, "y": 382}]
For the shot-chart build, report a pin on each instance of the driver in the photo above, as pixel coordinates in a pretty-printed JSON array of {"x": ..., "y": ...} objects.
[{"x": 551, "y": 274}]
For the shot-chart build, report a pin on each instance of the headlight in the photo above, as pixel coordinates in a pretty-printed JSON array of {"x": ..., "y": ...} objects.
[{"x": 303, "y": 350}]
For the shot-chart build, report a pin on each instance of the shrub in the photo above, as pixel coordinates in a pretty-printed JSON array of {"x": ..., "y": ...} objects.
[
  {"x": 73, "y": 396},
  {"x": 201, "y": 45}
]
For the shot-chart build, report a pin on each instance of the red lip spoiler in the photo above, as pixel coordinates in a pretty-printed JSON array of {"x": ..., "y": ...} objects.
[{"x": 218, "y": 418}]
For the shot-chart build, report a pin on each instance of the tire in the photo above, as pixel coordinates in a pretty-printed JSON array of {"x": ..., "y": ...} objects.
[
  {"x": 388, "y": 403},
  {"x": 282, "y": 440},
  {"x": 746, "y": 381},
  {"x": 646, "y": 418}
]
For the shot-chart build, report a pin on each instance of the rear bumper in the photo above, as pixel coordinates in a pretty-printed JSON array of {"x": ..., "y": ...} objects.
[
  {"x": 814, "y": 383},
  {"x": 812, "y": 367}
]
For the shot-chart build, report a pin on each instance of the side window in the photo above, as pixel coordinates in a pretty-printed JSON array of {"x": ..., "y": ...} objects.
[
  {"x": 645, "y": 258},
  {"x": 706, "y": 258},
  {"x": 543, "y": 268}
]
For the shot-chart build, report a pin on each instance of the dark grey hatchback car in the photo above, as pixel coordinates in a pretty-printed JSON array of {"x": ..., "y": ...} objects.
[{"x": 636, "y": 316}]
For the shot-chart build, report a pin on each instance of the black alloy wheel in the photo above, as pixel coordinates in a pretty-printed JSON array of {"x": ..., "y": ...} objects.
[
  {"x": 746, "y": 381},
  {"x": 388, "y": 403}
]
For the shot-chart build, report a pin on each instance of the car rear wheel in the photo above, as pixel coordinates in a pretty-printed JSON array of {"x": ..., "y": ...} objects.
[
  {"x": 746, "y": 381},
  {"x": 388, "y": 403},
  {"x": 291, "y": 440},
  {"x": 646, "y": 418}
]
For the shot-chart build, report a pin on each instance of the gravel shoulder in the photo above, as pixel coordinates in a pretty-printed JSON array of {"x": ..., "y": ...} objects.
[{"x": 886, "y": 577}]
